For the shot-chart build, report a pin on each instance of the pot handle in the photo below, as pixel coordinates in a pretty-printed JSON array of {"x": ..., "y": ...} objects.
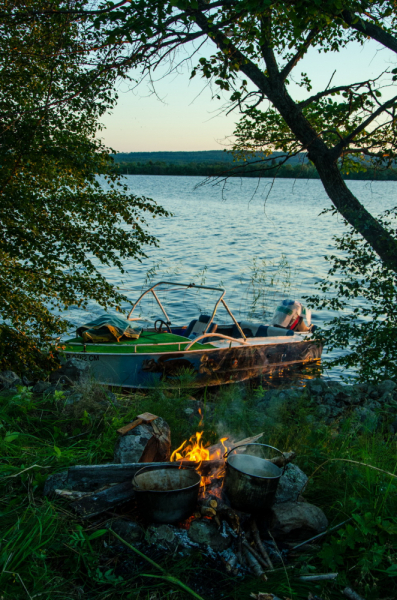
[{"x": 254, "y": 444}]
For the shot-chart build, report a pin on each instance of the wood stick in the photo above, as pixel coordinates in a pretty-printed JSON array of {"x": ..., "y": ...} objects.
[
  {"x": 351, "y": 594},
  {"x": 258, "y": 542},
  {"x": 253, "y": 563},
  {"x": 281, "y": 461},
  {"x": 219, "y": 448},
  {"x": 143, "y": 418},
  {"x": 256, "y": 554},
  {"x": 322, "y": 577}
]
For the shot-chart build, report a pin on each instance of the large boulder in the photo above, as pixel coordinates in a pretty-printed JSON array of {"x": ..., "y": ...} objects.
[
  {"x": 142, "y": 445},
  {"x": 291, "y": 484},
  {"x": 9, "y": 380},
  {"x": 297, "y": 520},
  {"x": 73, "y": 371}
]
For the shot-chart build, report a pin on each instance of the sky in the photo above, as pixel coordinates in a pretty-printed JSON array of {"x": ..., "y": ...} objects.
[{"x": 182, "y": 116}]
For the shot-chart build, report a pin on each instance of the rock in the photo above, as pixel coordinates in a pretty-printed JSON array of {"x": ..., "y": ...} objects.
[
  {"x": 130, "y": 447},
  {"x": 41, "y": 387},
  {"x": 205, "y": 532},
  {"x": 386, "y": 387},
  {"x": 9, "y": 380},
  {"x": 160, "y": 533},
  {"x": 297, "y": 520},
  {"x": 291, "y": 484},
  {"x": 130, "y": 531},
  {"x": 365, "y": 418},
  {"x": 73, "y": 399},
  {"x": 56, "y": 481},
  {"x": 73, "y": 371}
]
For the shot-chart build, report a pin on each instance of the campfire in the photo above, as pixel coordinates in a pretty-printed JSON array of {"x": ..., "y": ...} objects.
[{"x": 196, "y": 476}]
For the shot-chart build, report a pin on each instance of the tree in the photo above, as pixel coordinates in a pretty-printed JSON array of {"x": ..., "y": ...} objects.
[
  {"x": 263, "y": 41},
  {"x": 359, "y": 282},
  {"x": 63, "y": 213}
]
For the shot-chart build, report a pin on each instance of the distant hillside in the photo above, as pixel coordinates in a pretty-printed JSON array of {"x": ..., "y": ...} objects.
[{"x": 200, "y": 157}]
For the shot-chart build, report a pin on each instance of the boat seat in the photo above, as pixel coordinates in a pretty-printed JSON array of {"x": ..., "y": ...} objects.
[
  {"x": 252, "y": 330},
  {"x": 249, "y": 329},
  {"x": 270, "y": 331},
  {"x": 197, "y": 327}
]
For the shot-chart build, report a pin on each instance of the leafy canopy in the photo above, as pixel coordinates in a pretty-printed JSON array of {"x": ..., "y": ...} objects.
[{"x": 63, "y": 213}]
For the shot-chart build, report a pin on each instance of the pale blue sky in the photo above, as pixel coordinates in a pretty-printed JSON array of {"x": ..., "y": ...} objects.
[{"x": 186, "y": 118}]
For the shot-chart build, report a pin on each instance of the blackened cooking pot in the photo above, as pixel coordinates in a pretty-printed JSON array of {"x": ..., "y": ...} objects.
[
  {"x": 250, "y": 481},
  {"x": 166, "y": 494}
]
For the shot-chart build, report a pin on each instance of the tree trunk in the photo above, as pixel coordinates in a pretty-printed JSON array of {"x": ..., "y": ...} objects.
[{"x": 384, "y": 244}]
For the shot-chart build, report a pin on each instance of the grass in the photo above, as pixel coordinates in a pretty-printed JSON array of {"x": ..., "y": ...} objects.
[{"x": 47, "y": 553}]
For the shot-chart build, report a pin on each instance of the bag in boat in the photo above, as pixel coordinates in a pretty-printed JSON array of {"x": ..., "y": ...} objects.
[
  {"x": 108, "y": 328},
  {"x": 289, "y": 313}
]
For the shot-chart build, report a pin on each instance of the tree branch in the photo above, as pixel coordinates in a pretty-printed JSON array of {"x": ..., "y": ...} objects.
[
  {"x": 370, "y": 29},
  {"x": 295, "y": 59},
  {"x": 336, "y": 150}
]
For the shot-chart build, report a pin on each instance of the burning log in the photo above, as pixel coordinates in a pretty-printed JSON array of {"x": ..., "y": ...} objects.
[{"x": 258, "y": 542}]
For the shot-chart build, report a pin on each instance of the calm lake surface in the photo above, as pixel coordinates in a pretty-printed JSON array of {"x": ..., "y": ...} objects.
[{"x": 262, "y": 242}]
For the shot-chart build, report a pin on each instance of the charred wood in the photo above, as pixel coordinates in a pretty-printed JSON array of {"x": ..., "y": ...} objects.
[{"x": 100, "y": 502}]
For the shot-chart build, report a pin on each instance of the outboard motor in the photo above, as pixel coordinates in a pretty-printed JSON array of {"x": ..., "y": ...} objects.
[{"x": 290, "y": 314}]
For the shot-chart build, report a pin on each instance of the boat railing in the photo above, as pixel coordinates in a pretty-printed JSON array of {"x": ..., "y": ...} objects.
[
  {"x": 187, "y": 285},
  {"x": 220, "y": 335}
]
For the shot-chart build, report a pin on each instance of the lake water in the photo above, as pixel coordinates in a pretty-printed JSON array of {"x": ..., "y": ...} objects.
[{"x": 261, "y": 242}]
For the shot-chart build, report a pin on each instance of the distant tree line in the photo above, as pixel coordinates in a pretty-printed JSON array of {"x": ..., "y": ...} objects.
[{"x": 219, "y": 169}]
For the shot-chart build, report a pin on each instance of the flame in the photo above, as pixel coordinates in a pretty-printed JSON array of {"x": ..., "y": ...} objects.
[{"x": 194, "y": 450}]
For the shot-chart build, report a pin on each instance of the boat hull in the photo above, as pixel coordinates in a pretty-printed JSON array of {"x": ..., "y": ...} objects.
[{"x": 197, "y": 368}]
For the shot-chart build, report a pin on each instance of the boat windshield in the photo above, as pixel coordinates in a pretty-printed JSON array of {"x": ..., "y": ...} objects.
[{"x": 182, "y": 286}]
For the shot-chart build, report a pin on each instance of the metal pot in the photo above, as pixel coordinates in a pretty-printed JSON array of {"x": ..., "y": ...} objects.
[
  {"x": 250, "y": 481},
  {"x": 166, "y": 494}
]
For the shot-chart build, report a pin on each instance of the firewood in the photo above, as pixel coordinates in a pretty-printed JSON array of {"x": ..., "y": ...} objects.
[
  {"x": 258, "y": 542},
  {"x": 70, "y": 494},
  {"x": 254, "y": 564},
  {"x": 282, "y": 461},
  {"x": 219, "y": 449},
  {"x": 256, "y": 554},
  {"x": 98, "y": 503},
  {"x": 91, "y": 477},
  {"x": 225, "y": 512},
  {"x": 207, "y": 511},
  {"x": 143, "y": 418}
]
